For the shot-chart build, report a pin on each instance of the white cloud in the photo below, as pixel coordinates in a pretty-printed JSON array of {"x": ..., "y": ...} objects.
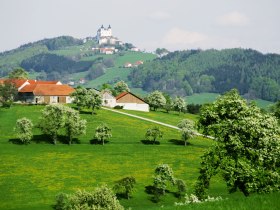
[
  {"x": 159, "y": 16},
  {"x": 233, "y": 19},
  {"x": 177, "y": 36}
]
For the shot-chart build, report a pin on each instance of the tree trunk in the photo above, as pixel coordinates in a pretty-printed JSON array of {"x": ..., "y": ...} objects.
[
  {"x": 185, "y": 143},
  {"x": 54, "y": 139},
  {"x": 70, "y": 140}
]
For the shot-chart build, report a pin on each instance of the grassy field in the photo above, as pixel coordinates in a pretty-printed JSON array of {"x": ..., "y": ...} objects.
[
  {"x": 32, "y": 175},
  {"x": 202, "y": 98}
]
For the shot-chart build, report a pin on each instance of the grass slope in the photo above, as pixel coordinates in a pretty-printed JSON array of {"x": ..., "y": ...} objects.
[
  {"x": 202, "y": 98},
  {"x": 32, "y": 175}
]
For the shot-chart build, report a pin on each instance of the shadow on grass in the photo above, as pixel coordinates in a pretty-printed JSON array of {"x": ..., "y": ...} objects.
[
  {"x": 179, "y": 142},
  {"x": 16, "y": 141},
  {"x": 96, "y": 141},
  {"x": 38, "y": 139},
  {"x": 47, "y": 140},
  {"x": 150, "y": 142},
  {"x": 155, "y": 193}
]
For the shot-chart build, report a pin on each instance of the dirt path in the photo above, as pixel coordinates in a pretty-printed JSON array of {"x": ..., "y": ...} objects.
[{"x": 153, "y": 121}]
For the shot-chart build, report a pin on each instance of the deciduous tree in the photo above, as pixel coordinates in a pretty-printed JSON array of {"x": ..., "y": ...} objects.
[
  {"x": 24, "y": 130},
  {"x": 156, "y": 100},
  {"x": 74, "y": 125},
  {"x": 57, "y": 117},
  {"x": 102, "y": 198},
  {"x": 18, "y": 73},
  {"x": 125, "y": 186},
  {"x": 153, "y": 134},
  {"x": 179, "y": 104},
  {"x": 120, "y": 87},
  {"x": 103, "y": 133},
  {"x": 8, "y": 92},
  {"x": 187, "y": 130},
  {"x": 246, "y": 149}
]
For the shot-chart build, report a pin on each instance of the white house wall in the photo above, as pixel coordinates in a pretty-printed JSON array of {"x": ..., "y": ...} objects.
[{"x": 134, "y": 106}]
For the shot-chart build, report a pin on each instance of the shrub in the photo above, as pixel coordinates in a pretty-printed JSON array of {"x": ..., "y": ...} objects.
[{"x": 24, "y": 130}]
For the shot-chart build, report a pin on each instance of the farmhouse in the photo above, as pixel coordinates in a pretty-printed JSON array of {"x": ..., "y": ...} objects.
[
  {"x": 45, "y": 93},
  {"x": 36, "y": 91},
  {"x": 129, "y": 101}
]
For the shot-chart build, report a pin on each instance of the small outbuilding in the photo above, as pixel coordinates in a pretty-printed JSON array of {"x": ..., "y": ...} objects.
[
  {"x": 108, "y": 99},
  {"x": 129, "y": 101}
]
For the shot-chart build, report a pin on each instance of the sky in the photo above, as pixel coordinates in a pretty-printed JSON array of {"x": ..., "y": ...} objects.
[{"x": 148, "y": 24}]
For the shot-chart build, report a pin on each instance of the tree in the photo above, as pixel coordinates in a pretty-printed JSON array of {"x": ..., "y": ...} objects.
[
  {"x": 79, "y": 97},
  {"x": 246, "y": 149},
  {"x": 8, "y": 92},
  {"x": 56, "y": 117},
  {"x": 181, "y": 186},
  {"x": 179, "y": 104},
  {"x": 74, "y": 125},
  {"x": 275, "y": 109},
  {"x": 125, "y": 186},
  {"x": 86, "y": 98},
  {"x": 101, "y": 198},
  {"x": 18, "y": 73},
  {"x": 103, "y": 133},
  {"x": 24, "y": 130},
  {"x": 163, "y": 176},
  {"x": 93, "y": 100},
  {"x": 153, "y": 134},
  {"x": 169, "y": 103},
  {"x": 156, "y": 100},
  {"x": 161, "y": 51},
  {"x": 120, "y": 87},
  {"x": 187, "y": 130}
]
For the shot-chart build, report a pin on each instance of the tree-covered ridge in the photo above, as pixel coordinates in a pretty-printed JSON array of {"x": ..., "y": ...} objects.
[
  {"x": 54, "y": 63},
  {"x": 195, "y": 71}
]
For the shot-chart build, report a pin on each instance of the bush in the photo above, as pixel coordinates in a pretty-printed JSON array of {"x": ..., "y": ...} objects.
[
  {"x": 24, "y": 130},
  {"x": 118, "y": 107},
  {"x": 102, "y": 198}
]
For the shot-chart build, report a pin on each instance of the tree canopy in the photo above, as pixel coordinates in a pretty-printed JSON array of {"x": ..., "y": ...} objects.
[
  {"x": 247, "y": 146},
  {"x": 18, "y": 73},
  {"x": 183, "y": 73}
]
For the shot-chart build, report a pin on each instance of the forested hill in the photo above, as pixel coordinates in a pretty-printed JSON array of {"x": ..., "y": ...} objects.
[{"x": 186, "y": 72}]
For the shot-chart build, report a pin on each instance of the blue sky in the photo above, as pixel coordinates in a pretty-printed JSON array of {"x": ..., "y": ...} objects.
[{"x": 148, "y": 24}]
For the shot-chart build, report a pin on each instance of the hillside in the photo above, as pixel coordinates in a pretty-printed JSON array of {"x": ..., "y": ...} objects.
[
  {"x": 33, "y": 175},
  {"x": 183, "y": 73},
  {"x": 69, "y": 60}
]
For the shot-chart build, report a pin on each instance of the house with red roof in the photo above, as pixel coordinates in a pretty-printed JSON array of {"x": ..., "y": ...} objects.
[
  {"x": 46, "y": 94},
  {"x": 129, "y": 101},
  {"x": 41, "y": 92}
]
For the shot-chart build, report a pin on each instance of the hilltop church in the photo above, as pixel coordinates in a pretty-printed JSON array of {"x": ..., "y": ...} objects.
[{"x": 104, "y": 36}]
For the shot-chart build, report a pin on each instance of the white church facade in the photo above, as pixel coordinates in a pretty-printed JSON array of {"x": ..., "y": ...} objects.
[{"x": 104, "y": 36}]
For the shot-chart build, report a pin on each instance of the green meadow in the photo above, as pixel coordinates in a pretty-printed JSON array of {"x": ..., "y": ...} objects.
[{"x": 32, "y": 175}]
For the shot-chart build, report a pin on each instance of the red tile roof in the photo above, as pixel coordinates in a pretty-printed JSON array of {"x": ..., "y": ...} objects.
[
  {"x": 48, "y": 90},
  {"x": 28, "y": 88},
  {"x": 121, "y": 95}
]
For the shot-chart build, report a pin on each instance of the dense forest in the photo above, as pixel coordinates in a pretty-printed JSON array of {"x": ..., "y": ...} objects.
[
  {"x": 51, "y": 62},
  {"x": 194, "y": 71}
]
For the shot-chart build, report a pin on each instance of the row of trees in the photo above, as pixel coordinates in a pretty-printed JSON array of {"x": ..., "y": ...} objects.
[
  {"x": 59, "y": 120},
  {"x": 157, "y": 100}
]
